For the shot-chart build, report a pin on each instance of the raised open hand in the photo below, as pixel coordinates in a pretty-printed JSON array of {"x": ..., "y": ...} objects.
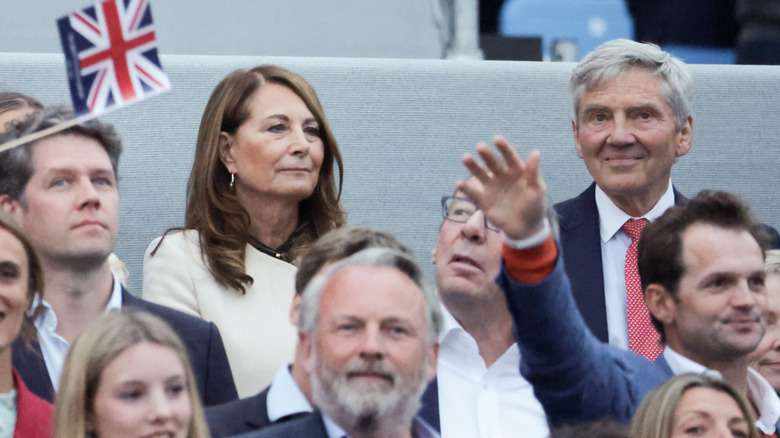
[{"x": 510, "y": 192}]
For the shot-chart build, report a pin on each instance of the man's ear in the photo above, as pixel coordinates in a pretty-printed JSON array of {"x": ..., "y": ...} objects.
[
  {"x": 660, "y": 303},
  {"x": 226, "y": 151},
  {"x": 11, "y": 207},
  {"x": 295, "y": 309}
]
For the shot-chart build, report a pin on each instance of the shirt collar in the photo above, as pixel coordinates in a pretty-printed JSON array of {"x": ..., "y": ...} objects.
[
  {"x": 48, "y": 318},
  {"x": 285, "y": 397},
  {"x": 612, "y": 218},
  {"x": 449, "y": 324},
  {"x": 115, "y": 302},
  {"x": 333, "y": 429},
  {"x": 420, "y": 429},
  {"x": 682, "y": 365},
  {"x": 765, "y": 397}
]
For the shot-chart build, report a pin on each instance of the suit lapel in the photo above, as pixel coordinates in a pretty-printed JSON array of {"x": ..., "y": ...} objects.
[
  {"x": 581, "y": 248},
  {"x": 32, "y": 369},
  {"x": 430, "y": 405}
]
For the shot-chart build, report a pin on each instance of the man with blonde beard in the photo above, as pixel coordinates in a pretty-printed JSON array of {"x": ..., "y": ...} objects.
[{"x": 369, "y": 330}]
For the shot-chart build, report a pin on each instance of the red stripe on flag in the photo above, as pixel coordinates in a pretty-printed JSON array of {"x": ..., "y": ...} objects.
[
  {"x": 97, "y": 90},
  {"x": 86, "y": 22},
  {"x": 137, "y": 15},
  {"x": 148, "y": 76},
  {"x": 117, "y": 51}
]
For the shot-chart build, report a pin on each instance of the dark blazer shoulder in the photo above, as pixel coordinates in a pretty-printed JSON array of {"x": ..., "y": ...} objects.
[
  {"x": 29, "y": 363},
  {"x": 308, "y": 426},
  {"x": 582, "y": 208},
  {"x": 204, "y": 345},
  {"x": 239, "y": 416}
]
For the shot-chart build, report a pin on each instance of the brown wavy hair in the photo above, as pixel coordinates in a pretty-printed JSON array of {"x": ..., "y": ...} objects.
[{"x": 216, "y": 213}]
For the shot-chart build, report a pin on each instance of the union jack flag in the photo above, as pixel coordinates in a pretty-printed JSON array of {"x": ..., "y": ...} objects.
[{"x": 111, "y": 55}]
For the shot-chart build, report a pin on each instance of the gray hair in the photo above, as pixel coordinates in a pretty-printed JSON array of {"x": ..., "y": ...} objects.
[
  {"x": 16, "y": 163},
  {"x": 772, "y": 261},
  {"x": 374, "y": 257},
  {"x": 614, "y": 58}
]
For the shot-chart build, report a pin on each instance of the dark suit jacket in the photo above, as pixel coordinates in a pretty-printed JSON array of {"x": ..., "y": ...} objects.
[
  {"x": 308, "y": 426},
  {"x": 580, "y": 244},
  {"x": 204, "y": 346},
  {"x": 239, "y": 416},
  {"x": 430, "y": 405}
]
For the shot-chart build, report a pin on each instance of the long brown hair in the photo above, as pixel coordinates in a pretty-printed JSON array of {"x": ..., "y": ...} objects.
[{"x": 216, "y": 213}]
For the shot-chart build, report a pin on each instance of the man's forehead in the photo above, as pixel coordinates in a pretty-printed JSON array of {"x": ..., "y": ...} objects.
[
  {"x": 53, "y": 151},
  {"x": 707, "y": 247},
  {"x": 368, "y": 287}
]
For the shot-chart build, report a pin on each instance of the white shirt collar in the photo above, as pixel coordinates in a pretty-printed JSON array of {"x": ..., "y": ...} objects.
[
  {"x": 449, "y": 324},
  {"x": 333, "y": 429},
  {"x": 612, "y": 218},
  {"x": 285, "y": 397},
  {"x": 420, "y": 429},
  {"x": 765, "y": 397},
  {"x": 682, "y": 365}
]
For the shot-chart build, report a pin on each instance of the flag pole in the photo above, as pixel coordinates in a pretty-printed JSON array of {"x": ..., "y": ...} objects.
[{"x": 40, "y": 134}]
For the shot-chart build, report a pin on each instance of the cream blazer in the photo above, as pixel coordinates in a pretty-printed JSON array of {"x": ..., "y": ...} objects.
[{"x": 255, "y": 327}]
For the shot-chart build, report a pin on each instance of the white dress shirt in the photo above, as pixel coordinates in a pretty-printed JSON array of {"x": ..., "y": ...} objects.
[
  {"x": 285, "y": 397},
  {"x": 614, "y": 245},
  {"x": 53, "y": 346},
  {"x": 476, "y": 401},
  {"x": 419, "y": 429},
  {"x": 759, "y": 390}
]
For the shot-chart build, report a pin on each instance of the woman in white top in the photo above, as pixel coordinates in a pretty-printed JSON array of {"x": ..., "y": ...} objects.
[{"x": 262, "y": 189}]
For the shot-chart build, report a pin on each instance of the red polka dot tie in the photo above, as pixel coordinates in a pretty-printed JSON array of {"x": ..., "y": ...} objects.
[{"x": 642, "y": 336}]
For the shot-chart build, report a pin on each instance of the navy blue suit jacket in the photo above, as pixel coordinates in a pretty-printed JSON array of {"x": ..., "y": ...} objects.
[
  {"x": 239, "y": 416},
  {"x": 430, "y": 405},
  {"x": 580, "y": 244},
  {"x": 204, "y": 347},
  {"x": 576, "y": 377},
  {"x": 308, "y": 426}
]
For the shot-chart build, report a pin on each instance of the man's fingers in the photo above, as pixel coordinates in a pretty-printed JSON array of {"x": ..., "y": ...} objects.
[
  {"x": 512, "y": 160},
  {"x": 476, "y": 170},
  {"x": 491, "y": 160},
  {"x": 470, "y": 188},
  {"x": 532, "y": 167}
]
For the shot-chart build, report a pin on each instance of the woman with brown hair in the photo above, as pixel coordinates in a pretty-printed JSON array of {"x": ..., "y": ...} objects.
[
  {"x": 262, "y": 188},
  {"x": 22, "y": 413}
]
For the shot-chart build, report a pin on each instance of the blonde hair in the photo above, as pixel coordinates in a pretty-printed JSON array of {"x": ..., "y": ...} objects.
[
  {"x": 655, "y": 416},
  {"x": 94, "y": 349},
  {"x": 216, "y": 213}
]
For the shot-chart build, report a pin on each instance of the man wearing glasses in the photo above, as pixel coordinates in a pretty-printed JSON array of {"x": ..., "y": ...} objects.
[{"x": 480, "y": 393}]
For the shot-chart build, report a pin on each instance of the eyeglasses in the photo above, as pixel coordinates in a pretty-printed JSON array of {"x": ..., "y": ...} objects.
[{"x": 460, "y": 210}]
